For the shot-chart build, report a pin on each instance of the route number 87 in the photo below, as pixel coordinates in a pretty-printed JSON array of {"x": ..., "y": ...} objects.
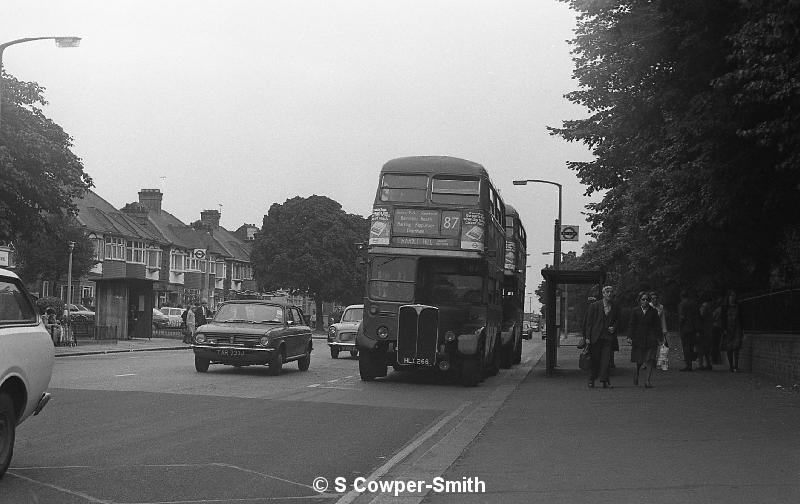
[{"x": 450, "y": 222}]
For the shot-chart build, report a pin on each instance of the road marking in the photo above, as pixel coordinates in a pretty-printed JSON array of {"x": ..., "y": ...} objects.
[
  {"x": 128, "y": 374},
  {"x": 61, "y": 489},
  {"x": 399, "y": 456},
  {"x": 313, "y": 385}
]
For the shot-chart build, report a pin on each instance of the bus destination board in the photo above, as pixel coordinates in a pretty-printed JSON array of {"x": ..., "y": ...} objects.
[{"x": 416, "y": 222}]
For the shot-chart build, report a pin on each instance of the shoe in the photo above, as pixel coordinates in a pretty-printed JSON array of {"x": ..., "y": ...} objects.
[
  {"x": 648, "y": 385},
  {"x": 736, "y": 370},
  {"x": 709, "y": 368},
  {"x": 607, "y": 384},
  {"x": 591, "y": 384},
  {"x": 732, "y": 371},
  {"x": 687, "y": 368},
  {"x": 636, "y": 379}
]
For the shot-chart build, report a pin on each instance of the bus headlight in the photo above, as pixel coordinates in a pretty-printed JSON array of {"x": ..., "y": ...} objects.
[
  {"x": 383, "y": 332},
  {"x": 449, "y": 336}
]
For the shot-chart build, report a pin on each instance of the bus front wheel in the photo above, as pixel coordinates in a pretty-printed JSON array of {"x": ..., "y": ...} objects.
[
  {"x": 370, "y": 366},
  {"x": 471, "y": 372}
]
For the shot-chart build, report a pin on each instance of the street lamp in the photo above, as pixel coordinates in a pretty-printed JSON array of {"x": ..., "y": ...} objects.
[
  {"x": 557, "y": 231},
  {"x": 69, "y": 285},
  {"x": 60, "y": 42}
]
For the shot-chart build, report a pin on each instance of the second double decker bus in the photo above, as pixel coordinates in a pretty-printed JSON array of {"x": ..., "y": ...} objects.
[
  {"x": 513, "y": 290},
  {"x": 435, "y": 270}
]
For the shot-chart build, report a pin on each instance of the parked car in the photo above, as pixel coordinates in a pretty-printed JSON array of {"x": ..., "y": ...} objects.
[
  {"x": 173, "y": 315},
  {"x": 342, "y": 334},
  {"x": 26, "y": 362},
  {"x": 79, "y": 313},
  {"x": 159, "y": 319},
  {"x": 253, "y": 332}
]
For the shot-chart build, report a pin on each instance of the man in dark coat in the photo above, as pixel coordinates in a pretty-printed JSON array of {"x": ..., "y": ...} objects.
[
  {"x": 689, "y": 325},
  {"x": 202, "y": 314},
  {"x": 599, "y": 332}
]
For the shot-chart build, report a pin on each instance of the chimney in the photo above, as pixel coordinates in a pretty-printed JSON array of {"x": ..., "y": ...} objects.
[
  {"x": 151, "y": 198},
  {"x": 210, "y": 218},
  {"x": 138, "y": 212}
]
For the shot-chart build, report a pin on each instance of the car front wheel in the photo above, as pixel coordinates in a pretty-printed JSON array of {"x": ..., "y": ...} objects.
[
  {"x": 201, "y": 364},
  {"x": 8, "y": 423},
  {"x": 276, "y": 363}
]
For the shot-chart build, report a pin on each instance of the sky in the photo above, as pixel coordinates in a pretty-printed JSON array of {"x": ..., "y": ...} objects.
[{"x": 236, "y": 105}]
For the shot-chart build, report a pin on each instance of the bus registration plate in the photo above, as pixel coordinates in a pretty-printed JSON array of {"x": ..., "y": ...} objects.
[{"x": 418, "y": 362}]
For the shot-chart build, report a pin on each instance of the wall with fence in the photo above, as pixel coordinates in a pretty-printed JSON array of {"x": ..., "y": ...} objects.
[{"x": 771, "y": 322}]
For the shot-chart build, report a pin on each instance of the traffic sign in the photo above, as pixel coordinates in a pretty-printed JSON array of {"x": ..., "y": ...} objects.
[
  {"x": 199, "y": 253},
  {"x": 569, "y": 233}
]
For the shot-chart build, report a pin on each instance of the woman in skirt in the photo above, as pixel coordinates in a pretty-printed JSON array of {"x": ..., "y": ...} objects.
[{"x": 644, "y": 335}]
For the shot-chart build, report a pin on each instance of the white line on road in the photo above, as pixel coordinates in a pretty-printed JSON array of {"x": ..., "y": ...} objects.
[
  {"x": 128, "y": 374},
  {"x": 399, "y": 456},
  {"x": 62, "y": 489}
]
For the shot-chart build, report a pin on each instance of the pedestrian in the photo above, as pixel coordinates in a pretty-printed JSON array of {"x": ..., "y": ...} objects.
[
  {"x": 644, "y": 335},
  {"x": 689, "y": 325},
  {"x": 655, "y": 302},
  {"x": 191, "y": 324},
  {"x": 705, "y": 338},
  {"x": 731, "y": 330},
  {"x": 51, "y": 324},
  {"x": 716, "y": 331},
  {"x": 599, "y": 331},
  {"x": 184, "y": 329},
  {"x": 202, "y": 313}
]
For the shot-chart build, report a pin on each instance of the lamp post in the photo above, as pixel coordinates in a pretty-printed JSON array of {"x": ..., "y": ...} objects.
[
  {"x": 69, "y": 286},
  {"x": 60, "y": 42},
  {"x": 557, "y": 230}
]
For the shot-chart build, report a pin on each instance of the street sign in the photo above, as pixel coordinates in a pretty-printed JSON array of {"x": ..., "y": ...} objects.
[{"x": 569, "y": 233}]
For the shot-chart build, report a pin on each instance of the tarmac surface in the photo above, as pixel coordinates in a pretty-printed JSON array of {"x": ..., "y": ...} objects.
[{"x": 700, "y": 437}]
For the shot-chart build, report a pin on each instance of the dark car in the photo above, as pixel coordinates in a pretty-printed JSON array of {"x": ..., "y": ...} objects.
[{"x": 252, "y": 332}]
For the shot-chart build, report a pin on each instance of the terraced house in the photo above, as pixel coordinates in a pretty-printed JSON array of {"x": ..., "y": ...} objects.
[{"x": 148, "y": 258}]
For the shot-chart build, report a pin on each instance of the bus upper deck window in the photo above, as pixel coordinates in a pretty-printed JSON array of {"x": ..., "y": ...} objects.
[
  {"x": 404, "y": 188},
  {"x": 456, "y": 190}
]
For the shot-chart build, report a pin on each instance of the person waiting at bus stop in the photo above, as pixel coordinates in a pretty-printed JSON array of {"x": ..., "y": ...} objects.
[{"x": 599, "y": 333}]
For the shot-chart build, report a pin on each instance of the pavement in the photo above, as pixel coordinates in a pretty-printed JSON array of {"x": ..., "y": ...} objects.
[{"x": 700, "y": 437}]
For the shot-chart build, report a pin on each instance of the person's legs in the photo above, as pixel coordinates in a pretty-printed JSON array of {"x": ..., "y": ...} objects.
[
  {"x": 729, "y": 353},
  {"x": 594, "y": 352},
  {"x": 605, "y": 361},
  {"x": 636, "y": 376},
  {"x": 650, "y": 366},
  {"x": 736, "y": 360},
  {"x": 688, "y": 350}
]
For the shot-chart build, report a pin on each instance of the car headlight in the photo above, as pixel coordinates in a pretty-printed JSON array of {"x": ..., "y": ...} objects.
[
  {"x": 200, "y": 338},
  {"x": 264, "y": 340},
  {"x": 332, "y": 331},
  {"x": 383, "y": 332}
]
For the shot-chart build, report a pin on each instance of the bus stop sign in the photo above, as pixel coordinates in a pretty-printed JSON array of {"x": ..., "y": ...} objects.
[{"x": 569, "y": 233}]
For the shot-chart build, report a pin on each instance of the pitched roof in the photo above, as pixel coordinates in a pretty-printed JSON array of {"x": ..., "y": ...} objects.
[{"x": 99, "y": 216}]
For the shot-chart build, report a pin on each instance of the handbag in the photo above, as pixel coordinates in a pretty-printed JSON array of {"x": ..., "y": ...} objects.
[
  {"x": 585, "y": 360},
  {"x": 663, "y": 358}
]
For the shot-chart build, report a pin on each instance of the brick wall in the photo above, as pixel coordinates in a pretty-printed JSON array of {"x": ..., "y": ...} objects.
[{"x": 773, "y": 355}]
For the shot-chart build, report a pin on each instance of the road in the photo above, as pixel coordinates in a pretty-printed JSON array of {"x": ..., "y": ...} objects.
[{"x": 145, "y": 427}]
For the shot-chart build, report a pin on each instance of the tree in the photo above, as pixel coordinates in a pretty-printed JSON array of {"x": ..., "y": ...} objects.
[
  {"x": 690, "y": 121},
  {"x": 39, "y": 174},
  {"x": 308, "y": 245},
  {"x": 45, "y": 255}
]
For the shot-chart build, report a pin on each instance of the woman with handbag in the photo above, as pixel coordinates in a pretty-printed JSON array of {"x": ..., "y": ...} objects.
[{"x": 645, "y": 337}]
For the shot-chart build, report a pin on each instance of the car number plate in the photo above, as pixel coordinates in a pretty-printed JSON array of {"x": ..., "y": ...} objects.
[
  {"x": 418, "y": 362},
  {"x": 228, "y": 352}
]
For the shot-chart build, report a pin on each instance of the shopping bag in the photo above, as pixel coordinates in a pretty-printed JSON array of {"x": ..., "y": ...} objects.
[
  {"x": 662, "y": 362},
  {"x": 585, "y": 360}
]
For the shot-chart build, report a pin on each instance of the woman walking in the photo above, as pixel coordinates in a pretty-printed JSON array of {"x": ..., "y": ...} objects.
[
  {"x": 731, "y": 330},
  {"x": 644, "y": 335}
]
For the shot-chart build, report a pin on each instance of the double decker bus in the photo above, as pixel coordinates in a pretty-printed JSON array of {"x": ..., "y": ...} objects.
[
  {"x": 513, "y": 290},
  {"x": 435, "y": 270}
]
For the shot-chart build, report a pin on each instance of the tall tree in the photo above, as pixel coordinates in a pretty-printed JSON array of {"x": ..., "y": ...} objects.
[
  {"x": 308, "y": 245},
  {"x": 45, "y": 255},
  {"x": 39, "y": 174},
  {"x": 696, "y": 170}
]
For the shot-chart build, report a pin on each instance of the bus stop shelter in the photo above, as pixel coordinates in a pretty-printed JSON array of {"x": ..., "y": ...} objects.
[{"x": 553, "y": 278}]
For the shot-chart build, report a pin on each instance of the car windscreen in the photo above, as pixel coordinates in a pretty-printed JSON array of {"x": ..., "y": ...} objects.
[
  {"x": 253, "y": 313},
  {"x": 353, "y": 315},
  {"x": 14, "y": 305}
]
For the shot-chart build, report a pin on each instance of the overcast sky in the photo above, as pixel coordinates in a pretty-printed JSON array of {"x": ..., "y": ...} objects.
[{"x": 245, "y": 103}]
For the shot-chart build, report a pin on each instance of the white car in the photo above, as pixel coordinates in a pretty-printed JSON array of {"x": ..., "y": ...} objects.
[
  {"x": 342, "y": 335},
  {"x": 26, "y": 362},
  {"x": 173, "y": 314}
]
